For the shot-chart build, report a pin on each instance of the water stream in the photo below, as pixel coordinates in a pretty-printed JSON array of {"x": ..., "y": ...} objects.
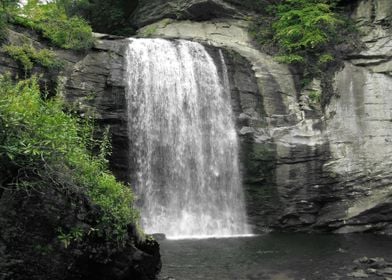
[{"x": 183, "y": 136}]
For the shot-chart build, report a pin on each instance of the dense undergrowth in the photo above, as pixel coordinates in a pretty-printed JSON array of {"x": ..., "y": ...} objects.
[
  {"x": 53, "y": 23},
  {"x": 40, "y": 143}
]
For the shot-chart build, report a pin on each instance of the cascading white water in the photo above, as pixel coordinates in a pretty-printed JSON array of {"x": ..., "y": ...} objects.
[{"x": 183, "y": 136}]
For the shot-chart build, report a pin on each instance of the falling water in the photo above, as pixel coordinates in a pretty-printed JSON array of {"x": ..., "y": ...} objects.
[{"x": 183, "y": 137}]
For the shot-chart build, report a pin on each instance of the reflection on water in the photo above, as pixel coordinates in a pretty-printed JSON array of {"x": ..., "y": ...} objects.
[{"x": 270, "y": 256}]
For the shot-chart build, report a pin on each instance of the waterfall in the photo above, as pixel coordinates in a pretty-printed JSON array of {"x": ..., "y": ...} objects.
[{"x": 182, "y": 134}]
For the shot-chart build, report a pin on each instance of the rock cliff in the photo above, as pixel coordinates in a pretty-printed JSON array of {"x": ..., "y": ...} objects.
[{"x": 306, "y": 168}]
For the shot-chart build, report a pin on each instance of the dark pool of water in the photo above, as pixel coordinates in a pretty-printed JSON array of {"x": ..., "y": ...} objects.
[{"x": 271, "y": 256}]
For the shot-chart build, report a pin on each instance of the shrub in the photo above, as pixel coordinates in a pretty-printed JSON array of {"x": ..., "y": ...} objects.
[
  {"x": 301, "y": 32},
  {"x": 7, "y": 8},
  {"x": 51, "y": 20},
  {"x": 304, "y": 26},
  {"x": 47, "y": 147},
  {"x": 3, "y": 27},
  {"x": 73, "y": 33},
  {"x": 27, "y": 56}
]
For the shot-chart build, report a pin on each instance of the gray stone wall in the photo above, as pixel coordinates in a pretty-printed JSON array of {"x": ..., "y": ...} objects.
[{"x": 303, "y": 168}]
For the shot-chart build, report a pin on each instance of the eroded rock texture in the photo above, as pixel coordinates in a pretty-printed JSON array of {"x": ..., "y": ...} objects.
[
  {"x": 94, "y": 87},
  {"x": 303, "y": 168},
  {"x": 151, "y": 11}
]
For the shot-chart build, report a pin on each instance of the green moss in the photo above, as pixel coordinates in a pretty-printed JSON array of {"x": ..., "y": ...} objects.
[
  {"x": 47, "y": 148},
  {"x": 149, "y": 31}
]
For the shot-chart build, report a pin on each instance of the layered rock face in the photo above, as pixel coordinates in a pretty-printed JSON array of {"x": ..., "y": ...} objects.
[
  {"x": 305, "y": 168},
  {"x": 94, "y": 86},
  {"x": 151, "y": 11}
]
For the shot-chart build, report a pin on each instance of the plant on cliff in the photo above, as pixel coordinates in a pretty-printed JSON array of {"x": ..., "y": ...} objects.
[
  {"x": 105, "y": 16},
  {"x": 41, "y": 147},
  {"x": 28, "y": 56},
  {"x": 7, "y": 8},
  {"x": 301, "y": 32},
  {"x": 53, "y": 23}
]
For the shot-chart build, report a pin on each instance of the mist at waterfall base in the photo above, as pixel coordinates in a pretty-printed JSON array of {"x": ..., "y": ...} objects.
[{"x": 183, "y": 139}]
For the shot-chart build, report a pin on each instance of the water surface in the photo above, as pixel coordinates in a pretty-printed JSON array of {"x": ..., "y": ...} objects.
[{"x": 271, "y": 256}]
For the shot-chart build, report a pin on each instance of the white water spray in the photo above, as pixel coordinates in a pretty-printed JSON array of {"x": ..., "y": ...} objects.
[{"x": 182, "y": 133}]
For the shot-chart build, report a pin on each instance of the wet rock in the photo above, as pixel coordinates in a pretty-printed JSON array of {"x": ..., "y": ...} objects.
[
  {"x": 94, "y": 86},
  {"x": 151, "y": 11},
  {"x": 378, "y": 267},
  {"x": 159, "y": 236},
  {"x": 384, "y": 271},
  {"x": 300, "y": 161},
  {"x": 358, "y": 274}
]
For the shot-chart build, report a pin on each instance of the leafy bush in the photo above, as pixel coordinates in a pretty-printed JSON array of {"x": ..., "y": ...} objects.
[
  {"x": 27, "y": 56},
  {"x": 301, "y": 32},
  {"x": 47, "y": 147},
  {"x": 7, "y": 7},
  {"x": 51, "y": 20},
  {"x": 314, "y": 96},
  {"x": 303, "y": 26},
  {"x": 73, "y": 33}
]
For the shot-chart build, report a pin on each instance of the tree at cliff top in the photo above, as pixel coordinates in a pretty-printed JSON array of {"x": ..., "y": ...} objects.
[{"x": 105, "y": 16}]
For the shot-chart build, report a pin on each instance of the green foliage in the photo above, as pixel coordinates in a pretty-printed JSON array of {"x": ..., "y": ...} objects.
[
  {"x": 105, "y": 16},
  {"x": 51, "y": 20},
  {"x": 7, "y": 7},
  {"x": 74, "y": 235},
  {"x": 47, "y": 147},
  {"x": 301, "y": 32},
  {"x": 304, "y": 25},
  {"x": 3, "y": 27},
  {"x": 149, "y": 31},
  {"x": 315, "y": 96},
  {"x": 73, "y": 33},
  {"x": 27, "y": 56}
]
